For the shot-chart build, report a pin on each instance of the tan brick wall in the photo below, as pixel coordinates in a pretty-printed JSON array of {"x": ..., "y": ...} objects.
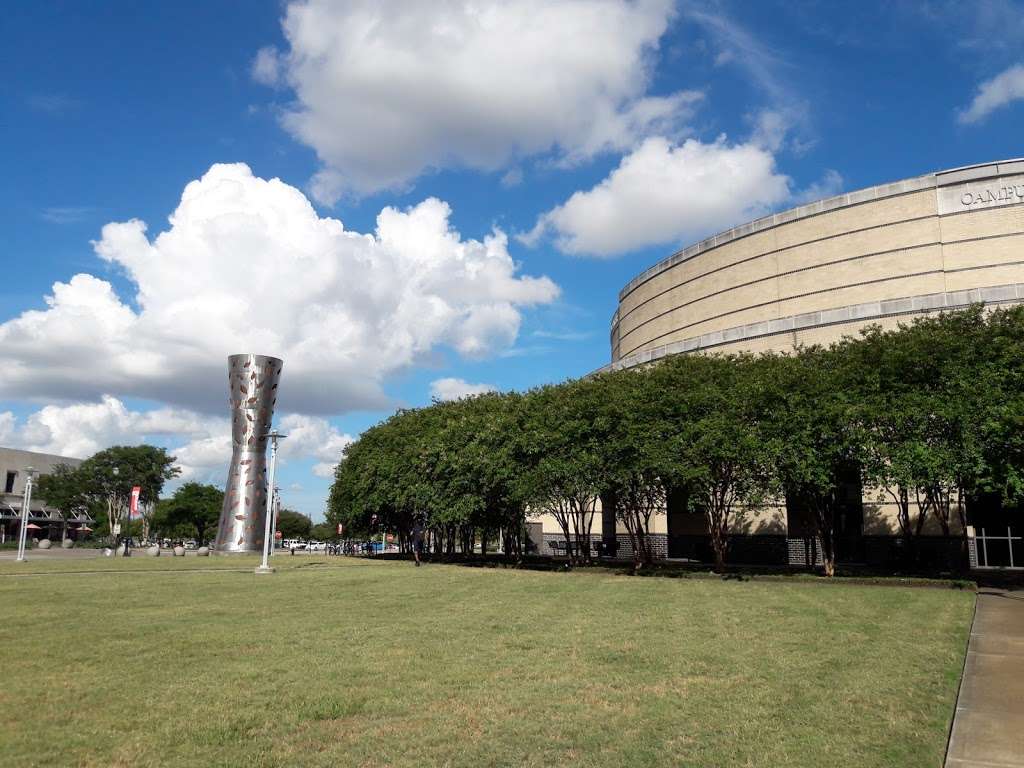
[{"x": 886, "y": 249}]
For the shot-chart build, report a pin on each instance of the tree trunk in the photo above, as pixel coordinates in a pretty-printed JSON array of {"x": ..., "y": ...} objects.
[
  {"x": 829, "y": 563},
  {"x": 718, "y": 527}
]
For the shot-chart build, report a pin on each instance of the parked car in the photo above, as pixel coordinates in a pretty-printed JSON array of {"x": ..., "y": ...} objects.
[{"x": 316, "y": 546}]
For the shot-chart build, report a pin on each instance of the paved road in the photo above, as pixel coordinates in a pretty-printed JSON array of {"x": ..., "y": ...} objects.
[{"x": 988, "y": 730}]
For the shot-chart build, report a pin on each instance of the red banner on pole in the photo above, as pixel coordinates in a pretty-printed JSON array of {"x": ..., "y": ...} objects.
[
  {"x": 133, "y": 511},
  {"x": 341, "y": 529}
]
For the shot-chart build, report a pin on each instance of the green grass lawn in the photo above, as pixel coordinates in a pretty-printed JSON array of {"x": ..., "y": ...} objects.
[{"x": 363, "y": 663}]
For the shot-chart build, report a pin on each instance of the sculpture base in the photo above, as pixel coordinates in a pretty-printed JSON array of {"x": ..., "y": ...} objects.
[{"x": 264, "y": 569}]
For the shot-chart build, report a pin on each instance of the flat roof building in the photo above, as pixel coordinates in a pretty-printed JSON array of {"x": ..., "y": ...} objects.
[{"x": 14, "y": 466}]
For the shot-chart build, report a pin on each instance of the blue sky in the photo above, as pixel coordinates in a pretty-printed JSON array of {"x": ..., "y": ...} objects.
[{"x": 594, "y": 137}]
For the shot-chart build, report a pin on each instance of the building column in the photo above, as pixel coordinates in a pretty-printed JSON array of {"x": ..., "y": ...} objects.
[{"x": 608, "y": 537}]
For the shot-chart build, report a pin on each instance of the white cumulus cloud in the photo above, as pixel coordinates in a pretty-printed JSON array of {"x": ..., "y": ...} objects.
[
  {"x": 454, "y": 389},
  {"x": 316, "y": 438},
  {"x": 7, "y": 422},
  {"x": 201, "y": 444},
  {"x": 385, "y": 90},
  {"x": 1004, "y": 88},
  {"x": 81, "y": 429},
  {"x": 665, "y": 192},
  {"x": 247, "y": 265}
]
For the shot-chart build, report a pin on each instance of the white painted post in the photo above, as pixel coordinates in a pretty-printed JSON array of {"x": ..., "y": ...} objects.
[
  {"x": 268, "y": 520},
  {"x": 26, "y": 502}
]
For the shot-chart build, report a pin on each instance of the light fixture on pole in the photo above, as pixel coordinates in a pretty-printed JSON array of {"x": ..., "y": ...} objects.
[
  {"x": 26, "y": 502},
  {"x": 269, "y": 519}
]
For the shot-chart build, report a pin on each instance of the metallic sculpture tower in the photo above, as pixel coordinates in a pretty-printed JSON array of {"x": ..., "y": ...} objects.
[{"x": 252, "y": 381}]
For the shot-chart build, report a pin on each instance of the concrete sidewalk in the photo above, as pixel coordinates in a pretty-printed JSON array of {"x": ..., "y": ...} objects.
[{"x": 988, "y": 729}]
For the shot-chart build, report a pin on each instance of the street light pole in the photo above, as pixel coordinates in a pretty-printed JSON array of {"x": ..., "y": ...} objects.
[
  {"x": 274, "y": 437},
  {"x": 112, "y": 506},
  {"x": 273, "y": 521},
  {"x": 26, "y": 501}
]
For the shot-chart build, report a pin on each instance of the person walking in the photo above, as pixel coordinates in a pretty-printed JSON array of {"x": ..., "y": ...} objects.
[{"x": 417, "y": 538}]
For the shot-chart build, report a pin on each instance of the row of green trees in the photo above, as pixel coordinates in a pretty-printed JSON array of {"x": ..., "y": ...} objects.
[
  {"x": 102, "y": 485},
  {"x": 929, "y": 415}
]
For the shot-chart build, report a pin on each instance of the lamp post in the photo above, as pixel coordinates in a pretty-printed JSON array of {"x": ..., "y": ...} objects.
[
  {"x": 274, "y": 436},
  {"x": 273, "y": 521},
  {"x": 26, "y": 501},
  {"x": 116, "y": 471}
]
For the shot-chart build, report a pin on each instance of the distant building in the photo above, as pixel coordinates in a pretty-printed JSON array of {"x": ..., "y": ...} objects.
[{"x": 14, "y": 466}]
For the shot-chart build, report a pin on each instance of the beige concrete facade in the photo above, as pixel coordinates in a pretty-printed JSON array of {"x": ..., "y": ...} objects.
[
  {"x": 14, "y": 471},
  {"x": 827, "y": 269}
]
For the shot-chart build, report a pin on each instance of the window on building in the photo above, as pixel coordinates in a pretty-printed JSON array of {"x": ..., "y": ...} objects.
[{"x": 9, "y": 483}]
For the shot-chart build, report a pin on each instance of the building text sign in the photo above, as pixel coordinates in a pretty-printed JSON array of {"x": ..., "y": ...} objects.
[{"x": 987, "y": 193}]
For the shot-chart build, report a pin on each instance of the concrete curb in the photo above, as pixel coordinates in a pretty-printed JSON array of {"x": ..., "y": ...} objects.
[{"x": 959, "y": 688}]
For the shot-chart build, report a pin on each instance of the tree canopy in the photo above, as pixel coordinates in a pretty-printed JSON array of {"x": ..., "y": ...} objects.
[
  {"x": 929, "y": 415},
  {"x": 293, "y": 525},
  {"x": 103, "y": 482},
  {"x": 194, "y": 507}
]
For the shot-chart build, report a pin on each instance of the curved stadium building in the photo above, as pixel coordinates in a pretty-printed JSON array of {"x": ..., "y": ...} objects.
[
  {"x": 811, "y": 275},
  {"x": 815, "y": 273}
]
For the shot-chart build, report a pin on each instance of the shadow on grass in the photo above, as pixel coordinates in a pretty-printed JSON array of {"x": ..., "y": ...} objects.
[{"x": 674, "y": 570}]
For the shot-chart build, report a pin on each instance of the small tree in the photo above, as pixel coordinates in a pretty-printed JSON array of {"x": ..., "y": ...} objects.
[
  {"x": 195, "y": 507},
  {"x": 64, "y": 490},
  {"x": 817, "y": 434},
  {"x": 927, "y": 392},
  {"x": 714, "y": 421},
  {"x": 1002, "y": 435},
  {"x": 293, "y": 525},
  {"x": 107, "y": 478},
  {"x": 323, "y": 532},
  {"x": 633, "y": 452},
  {"x": 565, "y": 468}
]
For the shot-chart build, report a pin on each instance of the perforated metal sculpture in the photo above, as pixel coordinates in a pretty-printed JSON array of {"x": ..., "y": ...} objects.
[{"x": 252, "y": 381}]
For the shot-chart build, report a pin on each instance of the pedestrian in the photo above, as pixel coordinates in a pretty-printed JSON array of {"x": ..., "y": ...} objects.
[{"x": 417, "y": 538}]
